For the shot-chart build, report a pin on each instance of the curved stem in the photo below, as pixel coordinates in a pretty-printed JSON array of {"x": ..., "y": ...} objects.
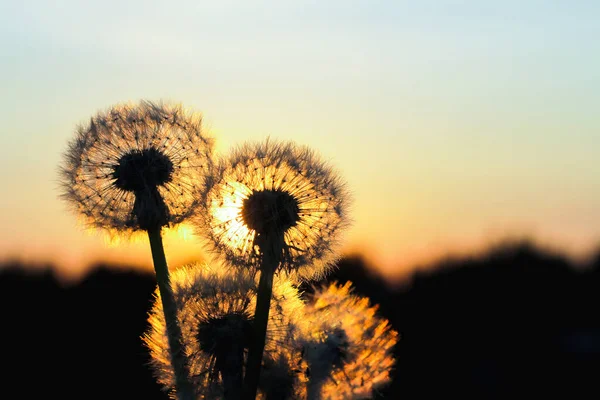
[
  {"x": 183, "y": 386},
  {"x": 270, "y": 261}
]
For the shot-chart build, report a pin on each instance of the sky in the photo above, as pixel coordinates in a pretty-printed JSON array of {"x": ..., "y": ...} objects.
[{"x": 455, "y": 123}]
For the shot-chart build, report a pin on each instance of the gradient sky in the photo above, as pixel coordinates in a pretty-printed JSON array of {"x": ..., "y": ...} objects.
[{"x": 455, "y": 123}]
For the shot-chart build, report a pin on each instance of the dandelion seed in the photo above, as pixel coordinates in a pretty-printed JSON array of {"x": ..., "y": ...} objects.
[
  {"x": 276, "y": 190},
  {"x": 215, "y": 310},
  {"x": 347, "y": 347}
]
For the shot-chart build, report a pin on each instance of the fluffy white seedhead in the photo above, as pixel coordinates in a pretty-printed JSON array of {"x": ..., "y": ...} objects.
[
  {"x": 137, "y": 166},
  {"x": 347, "y": 348},
  {"x": 275, "y": 191},
  {"x": 215, "y": 308}
]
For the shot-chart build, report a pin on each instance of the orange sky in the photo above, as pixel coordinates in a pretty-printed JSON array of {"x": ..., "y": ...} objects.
[{"x": 455, "y": 125}]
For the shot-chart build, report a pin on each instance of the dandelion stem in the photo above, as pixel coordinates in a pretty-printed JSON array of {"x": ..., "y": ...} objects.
[
  {"x": 183, "y": 387},
  {"x": 232, "y": 372},
  {"x": 313, "y": 389},
  {"x": 270, "y": 261}
]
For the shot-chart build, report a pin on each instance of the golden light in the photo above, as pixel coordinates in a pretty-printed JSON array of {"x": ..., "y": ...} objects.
[
  {"x": 370, "y": 339},
  {"x": 182, "y": 231},
  {"x": 226, "y": 210}
]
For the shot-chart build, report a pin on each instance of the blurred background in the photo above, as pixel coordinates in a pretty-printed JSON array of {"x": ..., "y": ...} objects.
[
  {"x": 513, "y": 322},
  {"x": 468, "y": 133}
]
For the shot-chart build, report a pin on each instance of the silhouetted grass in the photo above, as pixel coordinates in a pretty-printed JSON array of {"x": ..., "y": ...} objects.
[{"x": 516, "y": 321}]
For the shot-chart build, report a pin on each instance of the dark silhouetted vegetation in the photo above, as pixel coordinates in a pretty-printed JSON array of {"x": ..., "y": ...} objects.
[{"x": 514, "y": 322}]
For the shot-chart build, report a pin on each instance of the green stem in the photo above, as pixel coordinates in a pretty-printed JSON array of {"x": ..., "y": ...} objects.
[
  {"x": 270, "y": 261},
  {"x": 183, "y": 386}
]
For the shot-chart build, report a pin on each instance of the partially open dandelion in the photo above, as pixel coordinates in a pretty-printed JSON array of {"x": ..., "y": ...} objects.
[
  {"x": 215, "y": 310},
  {"x": 347, "y": 346},
  {"x": 273, "y": 207},
  {"x": 139, "y": 167}
]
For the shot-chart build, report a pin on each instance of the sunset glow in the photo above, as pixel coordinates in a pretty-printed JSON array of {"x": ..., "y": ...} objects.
[
  {"x": 228, "y": 214},
  {"x": 455, "y": 124}
]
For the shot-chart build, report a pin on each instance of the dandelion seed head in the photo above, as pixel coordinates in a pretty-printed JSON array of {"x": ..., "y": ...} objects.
[
  {"x": 267, "y": 211},
  {"x": 139, "y": 169},
  {"x": 275, "y": 189},
  {"x": 136, "y": 166},
  {"x": 347, "y": 346},
  {"x": 328, "y": 353},
  {"x": 217, "y": 335},
  {"x": 215, "y": 308}
]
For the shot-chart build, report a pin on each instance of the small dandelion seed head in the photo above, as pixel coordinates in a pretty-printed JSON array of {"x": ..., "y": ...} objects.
[
  {"x": 347, "y": 347},
  {"x": 279, "y": 190},
  {"x": 215, "y": 308},
  {"x": 136, "y": 166}
]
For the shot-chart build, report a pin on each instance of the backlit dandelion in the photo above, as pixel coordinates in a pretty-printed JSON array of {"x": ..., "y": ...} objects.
[
  {"x": 347, "y": 346},
  {"x": 139, "y": 167},
  {"x": 276, "y": 190},
  {"x": 215, "y": 309},
  {"x": 273, "y": 207}
]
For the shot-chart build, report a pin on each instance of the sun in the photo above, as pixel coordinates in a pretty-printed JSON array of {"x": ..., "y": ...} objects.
[
  {"x": 183, "y": 232},
  {"x": 227, "y": 213}
]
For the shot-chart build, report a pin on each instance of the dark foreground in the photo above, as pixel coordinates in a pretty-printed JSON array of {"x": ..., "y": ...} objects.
[{"x": 513, "y": 323}]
